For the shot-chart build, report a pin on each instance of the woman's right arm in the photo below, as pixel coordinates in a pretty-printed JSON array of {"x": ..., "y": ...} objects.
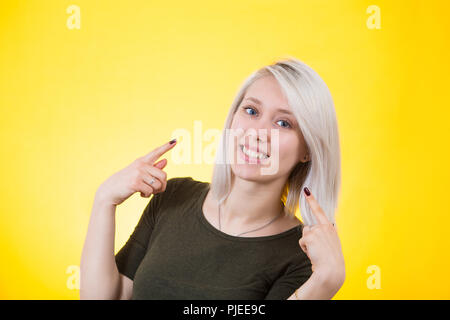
[{"x": 99, "y": 276}]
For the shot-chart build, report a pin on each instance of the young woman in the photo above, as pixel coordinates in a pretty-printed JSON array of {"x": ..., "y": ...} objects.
[{"x": 233, "y": 238}]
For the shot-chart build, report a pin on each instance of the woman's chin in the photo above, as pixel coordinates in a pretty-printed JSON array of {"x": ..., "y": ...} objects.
[
  {"x": 249, "y": 172},
  {"x": 247, "y": 175}
]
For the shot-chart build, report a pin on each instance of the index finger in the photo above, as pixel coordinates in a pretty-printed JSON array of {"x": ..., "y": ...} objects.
[
  {"x": 153, "y": 155},
  {"x": 315, "y": 208}
]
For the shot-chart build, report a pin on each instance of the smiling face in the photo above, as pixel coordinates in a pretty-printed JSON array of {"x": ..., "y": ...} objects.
[{"x": 268, "y": 135}]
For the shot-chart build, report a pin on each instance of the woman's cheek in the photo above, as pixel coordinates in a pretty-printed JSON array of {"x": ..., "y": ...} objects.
[{"x": 287, "y": 157}]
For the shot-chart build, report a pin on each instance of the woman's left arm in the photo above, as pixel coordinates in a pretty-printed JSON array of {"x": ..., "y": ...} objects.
[{"x": 323, "y": 247}]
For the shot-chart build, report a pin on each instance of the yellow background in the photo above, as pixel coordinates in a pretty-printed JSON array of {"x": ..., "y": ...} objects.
[{"x": 78, "y": 105}]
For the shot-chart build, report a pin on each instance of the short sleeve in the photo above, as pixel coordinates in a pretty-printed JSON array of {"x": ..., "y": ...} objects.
[
  {"x": 131, "y": 254},
  {"x": 294, "y": 277}
]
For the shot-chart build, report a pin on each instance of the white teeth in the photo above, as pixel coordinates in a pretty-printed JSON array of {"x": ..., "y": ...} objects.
[{"x": 253, "y": 154}]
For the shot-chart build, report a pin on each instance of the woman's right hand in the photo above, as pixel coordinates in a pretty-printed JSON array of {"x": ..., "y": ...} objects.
[{"x": 136, "y": 177}]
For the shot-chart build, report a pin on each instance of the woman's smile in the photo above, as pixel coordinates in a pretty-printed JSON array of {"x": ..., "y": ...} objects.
[{"x": 249, "y": 155}]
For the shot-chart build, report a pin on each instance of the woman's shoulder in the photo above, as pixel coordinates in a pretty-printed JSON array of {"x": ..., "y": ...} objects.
[
  {"x": 180, "y": 188},
  {"x": 180, "y": 192},
  {"x": 184, "y": 183}
]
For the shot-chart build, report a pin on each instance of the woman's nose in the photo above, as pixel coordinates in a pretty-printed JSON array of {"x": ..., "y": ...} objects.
[
  {"x": 259, "y": 135},
  {"x": 262, "y": 125},
  {"x": 264, "y": 129}
]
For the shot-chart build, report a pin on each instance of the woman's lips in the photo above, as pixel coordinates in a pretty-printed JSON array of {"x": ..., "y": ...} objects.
[
  {"x": 246, "y": 158},
  {"x": 258, "y": 150}
]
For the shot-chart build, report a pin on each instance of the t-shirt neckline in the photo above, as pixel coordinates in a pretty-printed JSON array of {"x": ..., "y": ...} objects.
[{"x": 216, "y": 231}]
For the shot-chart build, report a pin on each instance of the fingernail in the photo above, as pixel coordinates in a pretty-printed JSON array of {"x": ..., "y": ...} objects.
[
  {"x": 308, "y": 193},
  {"x": 172, "y": 141}
]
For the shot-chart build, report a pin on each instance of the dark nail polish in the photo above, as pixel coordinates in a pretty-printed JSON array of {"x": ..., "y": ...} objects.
[
  {"x": 172, "y": 141},
  {"x": 308, "y": 193}
]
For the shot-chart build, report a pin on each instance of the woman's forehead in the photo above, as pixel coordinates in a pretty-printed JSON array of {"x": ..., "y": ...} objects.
[{"x": 268, "y": 94}]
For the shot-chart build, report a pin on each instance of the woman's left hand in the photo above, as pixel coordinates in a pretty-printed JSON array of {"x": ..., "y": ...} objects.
[{"x": 323, "y": 247}]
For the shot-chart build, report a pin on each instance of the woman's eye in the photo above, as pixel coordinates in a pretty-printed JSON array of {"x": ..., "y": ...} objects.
[
  {"x": 249, "y": 108},
  {"x": 287, "y": 123}
]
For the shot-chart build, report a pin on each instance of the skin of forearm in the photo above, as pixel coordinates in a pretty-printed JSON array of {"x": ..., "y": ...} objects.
[
  {"x": 99, "y": 276},
  {"x": 317, "y": 287}
]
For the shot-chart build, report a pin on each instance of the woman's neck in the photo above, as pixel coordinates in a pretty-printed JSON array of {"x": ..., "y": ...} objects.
[{"x": 252, "y": 203}]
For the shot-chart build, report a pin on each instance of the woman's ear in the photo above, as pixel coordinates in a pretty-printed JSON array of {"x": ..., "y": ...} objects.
[{"x": 305, "y": 158}]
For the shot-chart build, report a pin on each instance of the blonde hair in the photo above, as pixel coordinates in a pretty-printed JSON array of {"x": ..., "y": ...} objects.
[{"x": 313, "y": 107}]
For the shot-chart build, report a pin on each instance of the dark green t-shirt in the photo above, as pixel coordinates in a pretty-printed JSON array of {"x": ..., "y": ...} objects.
[{"x": 175, "y": 253}]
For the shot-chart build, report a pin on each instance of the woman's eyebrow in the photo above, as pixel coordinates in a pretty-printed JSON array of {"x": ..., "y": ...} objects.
[{"x": 260, "y": 103}]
